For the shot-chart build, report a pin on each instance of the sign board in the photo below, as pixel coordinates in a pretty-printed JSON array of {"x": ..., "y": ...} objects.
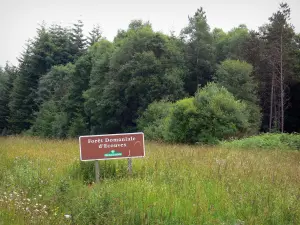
[{"x": 111, "y": 146}]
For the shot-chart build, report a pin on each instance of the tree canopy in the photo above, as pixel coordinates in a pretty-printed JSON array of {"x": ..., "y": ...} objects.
[{"x": 68, "y": 84}]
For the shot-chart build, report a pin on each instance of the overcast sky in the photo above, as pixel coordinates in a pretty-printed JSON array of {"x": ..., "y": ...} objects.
[{"x": 20, "y": 18}]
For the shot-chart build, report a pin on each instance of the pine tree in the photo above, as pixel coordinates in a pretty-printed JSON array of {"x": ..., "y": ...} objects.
[
  {"x": 78, "y": 39},
  {"x": 21, "y": 103},
  {"x": 95, "y": 35},
  {"x": 279, "y": 35},
  {"x": 61, "y": 45},
  {"x": 199, "y": 51},
  {"x": 35, "y": 61},
  {"x": 4, "y": 99}
]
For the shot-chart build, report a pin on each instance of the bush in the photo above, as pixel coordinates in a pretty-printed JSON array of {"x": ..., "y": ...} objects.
[
  {"x": 78, "y": 127},
  {"x": 212, "y": 115},
  {"x": 266, "y": 141},
  {"x": 60, "y": 125},
  {"x": 45, "y": 117},
  {"x": 291, "y": 140},
  {"x": 183, "y": 122},
  {"x": 50, "y": 122},
  {"x": 152, "y": 121}
]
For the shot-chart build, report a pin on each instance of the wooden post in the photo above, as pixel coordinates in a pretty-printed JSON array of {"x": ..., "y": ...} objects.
[
  {"x": 129, "y": 166},
  {"x": 97, "y": 171}
]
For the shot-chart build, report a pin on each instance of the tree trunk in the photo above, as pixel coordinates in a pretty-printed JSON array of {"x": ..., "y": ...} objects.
[
  {"x": 281, "y": 87},
  {"x": 271, "y": 104}
]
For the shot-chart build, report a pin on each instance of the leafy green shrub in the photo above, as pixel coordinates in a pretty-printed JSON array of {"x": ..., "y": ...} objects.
[
  {"x": 266, "y": 141},
  {"x": 78, "y": 127},
  {"x": 183, "y": 123},
  {"x": 60, "y": 125},
  {"x": 44, "y": 120},
  {"x": 50, "y": 122},
  {"x": 291, "y": 140},
  {"x": 152, "y": 121},
  {"x": 212, "y": 115}
]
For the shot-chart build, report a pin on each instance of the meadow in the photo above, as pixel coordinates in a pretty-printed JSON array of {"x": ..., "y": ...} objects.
[{"x": 43, "y": 182}]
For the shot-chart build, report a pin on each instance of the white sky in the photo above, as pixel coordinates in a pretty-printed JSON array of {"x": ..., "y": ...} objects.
[{"x": 19, "y": 18}]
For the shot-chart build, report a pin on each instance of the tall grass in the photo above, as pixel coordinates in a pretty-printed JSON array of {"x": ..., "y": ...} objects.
[{"x": 173, "y": 184}]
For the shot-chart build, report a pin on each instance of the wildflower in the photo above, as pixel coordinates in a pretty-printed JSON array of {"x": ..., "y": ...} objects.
[
  {"x": 40, "y": 196},
  {"x": 67, "y": 216},
  {"x": 44, "y": 207},
  {"x": 28, "y": 199}
]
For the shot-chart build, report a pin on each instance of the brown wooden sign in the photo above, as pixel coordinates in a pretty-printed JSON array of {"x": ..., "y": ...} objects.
[{"x": 111, "y": 146}]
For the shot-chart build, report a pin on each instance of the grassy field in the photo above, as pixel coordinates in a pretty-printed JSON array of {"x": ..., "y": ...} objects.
[{"x": 43, "y": 182}]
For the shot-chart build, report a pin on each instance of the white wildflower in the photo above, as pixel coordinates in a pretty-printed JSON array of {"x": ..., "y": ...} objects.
[{"x": 67, "y": 216}]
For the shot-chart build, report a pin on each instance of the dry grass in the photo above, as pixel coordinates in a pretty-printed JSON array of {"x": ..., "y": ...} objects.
[{"x": 173, "y": 184}]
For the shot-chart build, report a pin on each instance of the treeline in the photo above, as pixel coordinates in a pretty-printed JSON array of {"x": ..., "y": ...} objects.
[{"x": 203, "y": 85}]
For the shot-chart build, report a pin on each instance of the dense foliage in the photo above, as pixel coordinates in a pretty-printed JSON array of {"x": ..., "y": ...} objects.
[
  {"x": 270, "y": 141},
  {"x": 153, "y": 120},
  {"x": 187, "y": 120},
  {"x": 67, "y": 84}
]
